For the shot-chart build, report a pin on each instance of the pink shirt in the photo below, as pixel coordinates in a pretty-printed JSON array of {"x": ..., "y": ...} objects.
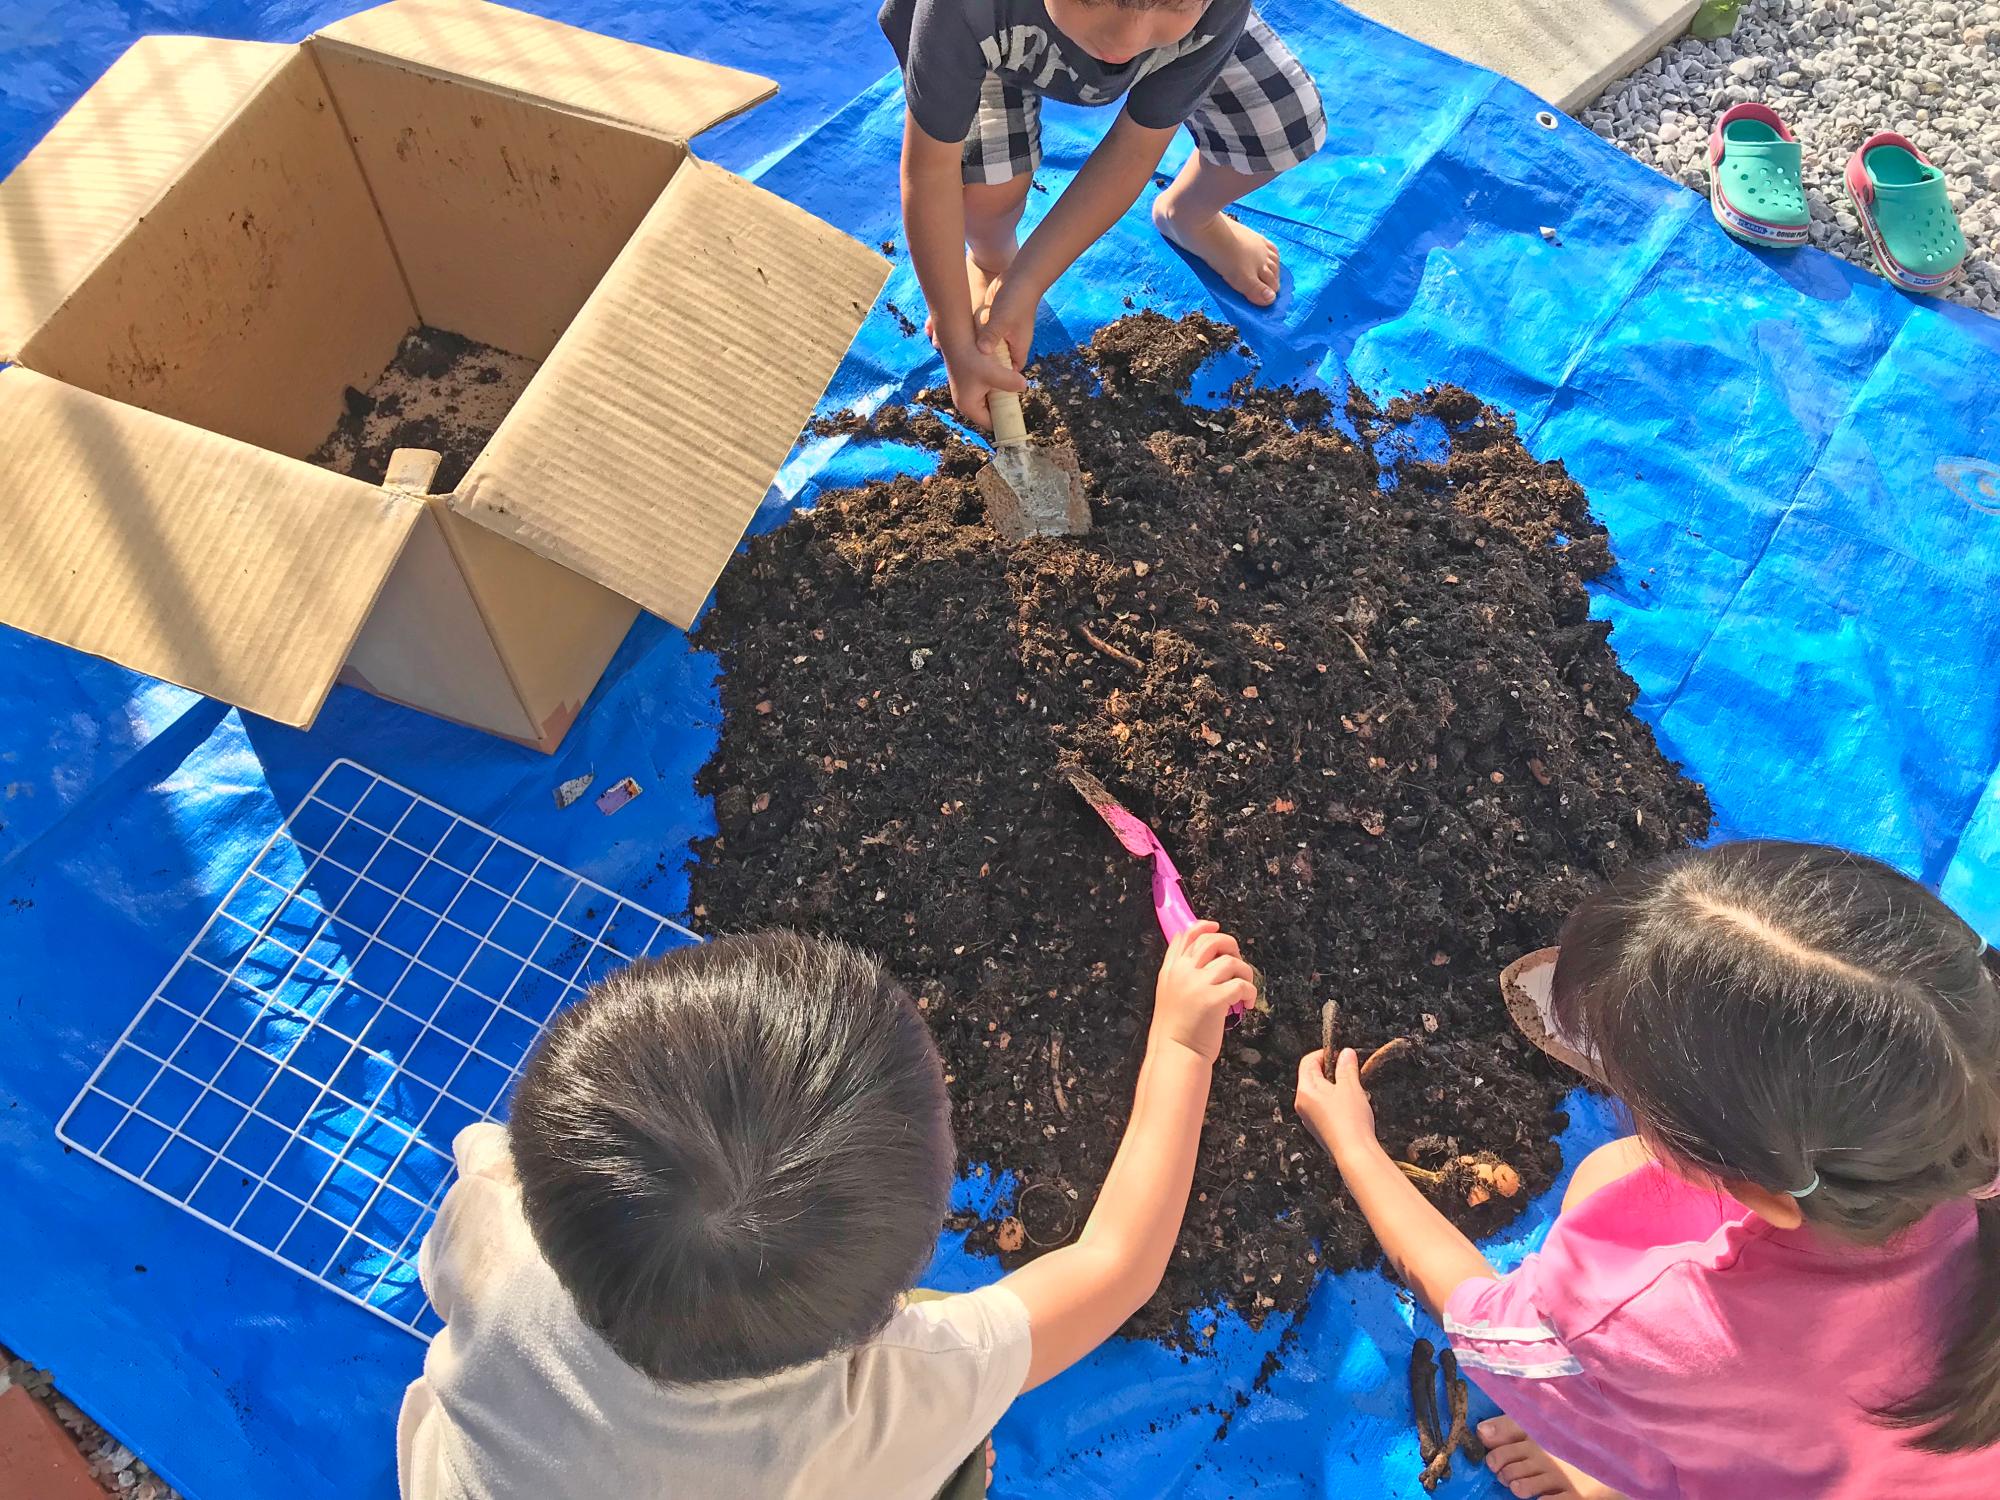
[{"x": 1672, "y": 1344}]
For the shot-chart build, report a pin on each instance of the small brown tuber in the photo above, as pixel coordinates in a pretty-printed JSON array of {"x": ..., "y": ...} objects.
[
  {"x": 1486, "y": 1178},
  {"x": 1491, "y": 1177}
]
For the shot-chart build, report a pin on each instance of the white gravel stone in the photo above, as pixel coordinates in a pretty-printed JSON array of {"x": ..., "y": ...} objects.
[{"x": 1838, "y": 71}]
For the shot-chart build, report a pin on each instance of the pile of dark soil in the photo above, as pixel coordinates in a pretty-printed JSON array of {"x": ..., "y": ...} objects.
[
  {"x": 1376, "y": 725},
  {"x": 442, "y": 391}
]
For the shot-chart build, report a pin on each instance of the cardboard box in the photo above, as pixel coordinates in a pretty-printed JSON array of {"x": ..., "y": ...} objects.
[{"x": 221, "y": 237}]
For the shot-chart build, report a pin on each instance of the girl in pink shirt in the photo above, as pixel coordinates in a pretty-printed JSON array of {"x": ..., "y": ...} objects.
[{"x": 1787, "y": 1284}]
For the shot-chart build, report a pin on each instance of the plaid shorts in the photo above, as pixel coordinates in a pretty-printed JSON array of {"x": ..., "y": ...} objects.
[{"x": 1262, "y": 114}]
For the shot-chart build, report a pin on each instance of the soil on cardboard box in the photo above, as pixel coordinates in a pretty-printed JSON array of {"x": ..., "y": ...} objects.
[
  {"x": 442, "y": 391},
  {"x": 1366, "y": 708}
]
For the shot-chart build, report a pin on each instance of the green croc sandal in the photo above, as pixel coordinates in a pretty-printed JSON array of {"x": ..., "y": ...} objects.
[
  {"x": 1753, "y": 178},
  {"x": 1906, "y": 212}
]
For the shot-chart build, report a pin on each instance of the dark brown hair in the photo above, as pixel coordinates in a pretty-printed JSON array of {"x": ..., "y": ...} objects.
[
  {"x": 737, "y": 1157},
  {"x": 1785, "y": 1013}
]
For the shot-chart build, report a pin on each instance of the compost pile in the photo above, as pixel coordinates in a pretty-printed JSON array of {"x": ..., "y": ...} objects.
[
  {"x": 1368, "y": 714},
  {"x": 442, "y": 391}
]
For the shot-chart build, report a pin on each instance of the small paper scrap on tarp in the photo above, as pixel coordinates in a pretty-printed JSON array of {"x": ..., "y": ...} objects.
[{"x": 617, "y": 795}]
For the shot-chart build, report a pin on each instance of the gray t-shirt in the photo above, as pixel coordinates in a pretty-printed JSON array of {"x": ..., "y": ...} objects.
[
  {"x": 519, "y": 1400},
  {"x": 948, "y": 47}
]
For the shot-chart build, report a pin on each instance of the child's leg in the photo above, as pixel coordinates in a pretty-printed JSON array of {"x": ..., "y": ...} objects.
[
  {"x": 1189, "y": 212},
  {"x": 1002, "y": 150},
  {"x": 992, "y": 215},
  {"x": 1262, "y": 117},
  {"x": 1520, "y": 1463}
]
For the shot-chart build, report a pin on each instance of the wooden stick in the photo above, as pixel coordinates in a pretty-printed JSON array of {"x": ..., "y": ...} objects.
[{"x": 1004, "y": 407}]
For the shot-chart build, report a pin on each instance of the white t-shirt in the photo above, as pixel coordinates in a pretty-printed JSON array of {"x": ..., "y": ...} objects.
[{"x": 519, "y": 1400}]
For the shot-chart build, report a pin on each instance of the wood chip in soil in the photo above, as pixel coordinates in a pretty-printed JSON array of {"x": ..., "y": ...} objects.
[{"x": 1370, "y": 715}]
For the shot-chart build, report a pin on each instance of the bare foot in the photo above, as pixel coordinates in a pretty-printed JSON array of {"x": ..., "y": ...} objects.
[
  {"x": 1520, "y": 1463},
  {"x": 1242, "y": 257},
  {"x": 989, "y": 1464},
  {"x": 979, "y": 280}
]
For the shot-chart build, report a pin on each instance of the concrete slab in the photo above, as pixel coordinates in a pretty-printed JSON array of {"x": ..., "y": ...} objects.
[{"x": 1564, "y": 50}]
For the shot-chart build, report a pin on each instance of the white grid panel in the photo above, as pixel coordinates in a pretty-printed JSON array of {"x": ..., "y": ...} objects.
[{"x": 371, "y": 985}]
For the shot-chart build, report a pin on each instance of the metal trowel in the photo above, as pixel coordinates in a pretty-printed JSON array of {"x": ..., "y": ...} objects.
[{"x": 1030, "y": 489}]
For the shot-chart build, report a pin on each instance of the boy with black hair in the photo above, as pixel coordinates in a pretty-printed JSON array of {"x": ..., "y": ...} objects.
[
  {"x": 974, "y": 75},
  {"x": 682, "y": 1268}
]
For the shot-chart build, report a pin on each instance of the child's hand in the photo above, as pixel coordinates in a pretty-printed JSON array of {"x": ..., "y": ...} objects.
[
  {"x": 1336, "y": 1110},
  {"x": 973, "y": 375},
  {"x": 1008, "y": 320},
  {"x": 1201, "y": 977}
]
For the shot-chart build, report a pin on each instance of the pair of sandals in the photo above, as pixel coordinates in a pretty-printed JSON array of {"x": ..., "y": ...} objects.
[{"x": 1754, "y": 193}]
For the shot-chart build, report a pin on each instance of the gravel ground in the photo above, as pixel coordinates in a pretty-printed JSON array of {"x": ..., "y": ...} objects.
[
  {"x": 1837, "y": 71},
  {"x": 111, "y": 1461}
]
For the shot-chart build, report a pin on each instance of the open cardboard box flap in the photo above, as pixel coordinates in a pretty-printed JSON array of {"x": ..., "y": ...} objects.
[
  {"x": 244, "y": 575},
  {"x": 107, "y": 161},
  {"x": 549, "y": 61},
  {"x": 154, "y": 501},
  {"x": 648, "y": 439},
  {"x": 132, "y": 135}
]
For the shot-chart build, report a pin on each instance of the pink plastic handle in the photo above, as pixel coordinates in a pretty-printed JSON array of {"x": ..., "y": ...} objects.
[{"x": 1170, "y": 905}]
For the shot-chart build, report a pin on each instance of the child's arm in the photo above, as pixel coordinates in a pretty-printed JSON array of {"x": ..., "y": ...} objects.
[
  {"x": 1426, "y": 1248},
  {"x": 1078, "y": 1296},
  {"x": 1097, "y": 198},
  {"x": 934, "y": 224}
]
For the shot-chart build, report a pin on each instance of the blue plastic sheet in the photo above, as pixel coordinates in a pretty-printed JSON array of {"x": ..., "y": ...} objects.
[{"x": 1796, "y": 463}]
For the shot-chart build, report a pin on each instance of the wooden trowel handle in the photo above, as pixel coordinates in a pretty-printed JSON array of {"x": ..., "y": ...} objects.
[{"x": 1005, "y": 408}]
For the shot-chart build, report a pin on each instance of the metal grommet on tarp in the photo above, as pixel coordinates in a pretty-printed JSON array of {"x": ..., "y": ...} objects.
[{"x": 1546, "y": 118}]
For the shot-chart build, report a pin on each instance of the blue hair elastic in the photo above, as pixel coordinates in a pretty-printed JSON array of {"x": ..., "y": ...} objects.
[{"x": 1805, "y": 1192}]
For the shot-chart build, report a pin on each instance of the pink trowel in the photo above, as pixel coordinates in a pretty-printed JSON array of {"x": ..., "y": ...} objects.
[{"x": 1170, "y": 903}]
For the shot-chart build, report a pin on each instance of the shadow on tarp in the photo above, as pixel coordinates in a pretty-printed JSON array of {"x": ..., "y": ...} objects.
[{"x": 1778, "y": 444}]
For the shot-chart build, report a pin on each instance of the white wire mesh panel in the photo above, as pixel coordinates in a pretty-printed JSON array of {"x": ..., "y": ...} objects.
[{"x": 371, "y": 985}]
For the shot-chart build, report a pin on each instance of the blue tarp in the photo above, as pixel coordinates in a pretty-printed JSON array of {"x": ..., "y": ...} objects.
[{"x": 1797, "y": 466}]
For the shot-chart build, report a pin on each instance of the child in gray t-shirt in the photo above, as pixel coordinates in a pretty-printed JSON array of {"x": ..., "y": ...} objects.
[
  {"x": 974, "y": 75},
  {"x": 680, "y": 1272}
]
